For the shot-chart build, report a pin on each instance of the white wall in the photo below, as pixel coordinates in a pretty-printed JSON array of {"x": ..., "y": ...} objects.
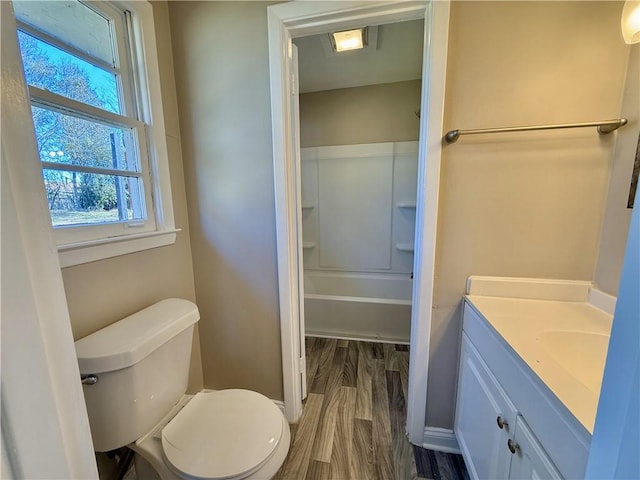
[
  {"x": 45, "y": 429},
  {"x": 615, "y": 226},
  {"x": 531, "y": 204},
  {"x": 395, "y": 55},
  {"x": 616, "y": 437},
  {"x": 338, "y": 127},
  {"x": 222, "y": 77},
  {"x": 353, "y": 221}
]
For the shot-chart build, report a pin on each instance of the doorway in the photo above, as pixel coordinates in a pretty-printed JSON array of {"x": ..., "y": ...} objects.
[
  {"x": 359, "y": 128},
  {"x": 306, "y": 18}
]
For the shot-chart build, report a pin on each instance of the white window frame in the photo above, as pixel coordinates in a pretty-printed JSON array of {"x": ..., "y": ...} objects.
[{"x": 142, "y": 103}]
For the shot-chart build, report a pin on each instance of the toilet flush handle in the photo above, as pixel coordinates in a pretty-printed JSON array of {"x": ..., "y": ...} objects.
[{"x": 90, "y": 379}]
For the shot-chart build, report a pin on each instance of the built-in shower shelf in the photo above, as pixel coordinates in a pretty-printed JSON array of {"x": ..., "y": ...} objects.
[
  {"x": 308, "y": 245},
  {"x": 307, "y": 206},
  {"x": 406, "y": 204},
  {"x": 404, "y": 247}
]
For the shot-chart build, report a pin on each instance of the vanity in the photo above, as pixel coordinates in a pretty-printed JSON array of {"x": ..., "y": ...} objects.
[{"x": 531, "y": 365}]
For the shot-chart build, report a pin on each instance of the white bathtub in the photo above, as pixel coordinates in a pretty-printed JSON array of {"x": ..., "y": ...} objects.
[{"x": 358, "y": 306}]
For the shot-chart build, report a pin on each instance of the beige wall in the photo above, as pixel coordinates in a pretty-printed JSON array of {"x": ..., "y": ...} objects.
[
  {"x": 524, "y": 205},
  {"x": 530, "y": 204},
  {"x": 222, "y": 74},
  {"x": 617, "y": 216},
  {"x": 103, "y": 292},
  {"x": 371, "y": 114}
]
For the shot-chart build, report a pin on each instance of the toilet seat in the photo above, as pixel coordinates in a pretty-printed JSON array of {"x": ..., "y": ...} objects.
[{"x": 222, "y": 434}]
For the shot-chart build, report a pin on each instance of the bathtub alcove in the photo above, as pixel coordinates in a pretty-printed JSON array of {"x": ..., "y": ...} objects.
[{"x": 358, "y": 222}]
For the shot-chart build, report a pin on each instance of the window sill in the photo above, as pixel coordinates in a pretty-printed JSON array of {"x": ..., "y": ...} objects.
[{"x": 85, "y": 252}]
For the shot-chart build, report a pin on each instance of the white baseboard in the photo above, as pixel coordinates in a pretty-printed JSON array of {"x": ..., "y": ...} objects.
[{"x": 441, "y": 440}]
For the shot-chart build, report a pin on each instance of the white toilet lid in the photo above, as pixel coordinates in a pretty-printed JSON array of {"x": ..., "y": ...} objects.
[{"x": 222, "y": 434}]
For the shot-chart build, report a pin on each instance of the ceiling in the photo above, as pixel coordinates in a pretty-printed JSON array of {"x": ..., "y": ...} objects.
[{"x": 398, "y": 57}]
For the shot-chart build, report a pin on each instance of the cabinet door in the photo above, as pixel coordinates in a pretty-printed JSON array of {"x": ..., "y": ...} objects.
[
  {"x": 481, "y": 406},
  {"x": 528, "y": 459}
]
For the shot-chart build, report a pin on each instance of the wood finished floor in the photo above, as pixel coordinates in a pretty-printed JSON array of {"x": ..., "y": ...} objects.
[{"x": 353, "y": 422}]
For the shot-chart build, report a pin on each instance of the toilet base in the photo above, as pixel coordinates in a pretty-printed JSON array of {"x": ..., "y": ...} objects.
[
  {"x": 144, "y": 470},
  {"x": 150, "y": 457}
]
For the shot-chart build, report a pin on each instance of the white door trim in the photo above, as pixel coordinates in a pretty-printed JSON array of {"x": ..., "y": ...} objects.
[
  {"x": 429, "y": 157},
  {"x": 305, "y": 18},
  {"x": 302, "y": 358},
  {"x": 45, "y": 428}
]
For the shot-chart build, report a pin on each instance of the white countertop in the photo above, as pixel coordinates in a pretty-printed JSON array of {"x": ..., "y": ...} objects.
[{"x": 563, "y": 342}]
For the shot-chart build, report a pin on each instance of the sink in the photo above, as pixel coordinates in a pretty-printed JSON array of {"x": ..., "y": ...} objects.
[{"x": 582, "y": 354}]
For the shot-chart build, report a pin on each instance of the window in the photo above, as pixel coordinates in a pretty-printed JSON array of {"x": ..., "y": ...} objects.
[{"x": 91, "y": 107}]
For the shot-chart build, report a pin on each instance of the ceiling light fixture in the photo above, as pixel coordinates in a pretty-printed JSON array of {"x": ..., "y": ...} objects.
[
  {"x": 630, "y": 21},
  {"x": 349, "y": 39}
]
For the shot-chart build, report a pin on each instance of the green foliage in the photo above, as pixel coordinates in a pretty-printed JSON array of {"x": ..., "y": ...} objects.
[{"x": 96, "y": 193}]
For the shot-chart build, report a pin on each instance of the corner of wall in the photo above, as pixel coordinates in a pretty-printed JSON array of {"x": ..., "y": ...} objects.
[{"x": 616, "y": 216}]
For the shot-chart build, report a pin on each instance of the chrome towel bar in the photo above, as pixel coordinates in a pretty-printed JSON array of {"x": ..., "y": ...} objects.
[{"x": 604, "y": 127}]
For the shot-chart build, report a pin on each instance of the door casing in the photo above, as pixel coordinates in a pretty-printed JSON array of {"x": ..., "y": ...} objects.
[{"x": 298, "y": 18}]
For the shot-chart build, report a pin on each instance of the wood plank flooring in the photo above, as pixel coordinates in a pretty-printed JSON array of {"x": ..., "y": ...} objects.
[{"x": 353, "y": 422}]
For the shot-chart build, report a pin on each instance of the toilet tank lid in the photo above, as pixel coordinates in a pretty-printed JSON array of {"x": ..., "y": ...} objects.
[{"x": 131, "y": 339}]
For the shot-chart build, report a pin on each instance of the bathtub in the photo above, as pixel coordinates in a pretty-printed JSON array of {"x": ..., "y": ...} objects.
[{"x": 358, "y": 306}]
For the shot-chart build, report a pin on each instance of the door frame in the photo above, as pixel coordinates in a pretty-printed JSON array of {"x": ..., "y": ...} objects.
[
  {"x": 299, "y": 18},
  {"x": 45, "y": 427}
]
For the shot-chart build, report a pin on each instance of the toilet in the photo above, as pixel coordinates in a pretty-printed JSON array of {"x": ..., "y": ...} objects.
[{"x": 135, "y": 374}]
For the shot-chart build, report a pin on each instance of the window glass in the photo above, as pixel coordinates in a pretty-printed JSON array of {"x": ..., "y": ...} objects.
[
  {"x": 70, "y": 148},
  {"x": 50, "y": 68},
  {"x": 71, "y": 21},
  {"x": 95, "y": 150},
  {"x": 75, "y": 141},
  {"x": 77, "y": 198}
]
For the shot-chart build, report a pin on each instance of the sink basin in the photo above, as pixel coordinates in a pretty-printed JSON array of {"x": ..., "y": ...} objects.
[{"x": 582, "y": 354}]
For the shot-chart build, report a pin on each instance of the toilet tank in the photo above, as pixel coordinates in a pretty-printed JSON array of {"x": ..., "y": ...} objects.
[{"x": 142, "y": 366}]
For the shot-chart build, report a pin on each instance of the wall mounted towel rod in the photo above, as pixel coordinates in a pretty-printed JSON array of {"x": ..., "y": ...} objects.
[{"x": 604, "y": 127}]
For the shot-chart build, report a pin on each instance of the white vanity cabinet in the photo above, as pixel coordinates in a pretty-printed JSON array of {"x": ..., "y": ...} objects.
[
  {"x": 484, "y": 417},
  {"x": 496, "y": 442},
  {"x": 507, "y": 424},
  {"x": 528, "y": 459}
]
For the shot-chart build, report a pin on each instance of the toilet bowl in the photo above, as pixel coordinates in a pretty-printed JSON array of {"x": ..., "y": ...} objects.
[
  {"x": 230, "y": 434},
  {"x": 139, "y": 368}
]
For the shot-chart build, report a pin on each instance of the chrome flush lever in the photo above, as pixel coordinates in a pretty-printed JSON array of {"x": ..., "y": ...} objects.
[{"x": 90, "y": 379}]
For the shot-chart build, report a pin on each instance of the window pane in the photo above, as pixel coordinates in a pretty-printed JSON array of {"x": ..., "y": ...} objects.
[
  {"x": 71, "y": 22},
  {"x": 75, "y": 141},
  {"x": 77, "y": 198},
  {"x": 50, "y": 68}
]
